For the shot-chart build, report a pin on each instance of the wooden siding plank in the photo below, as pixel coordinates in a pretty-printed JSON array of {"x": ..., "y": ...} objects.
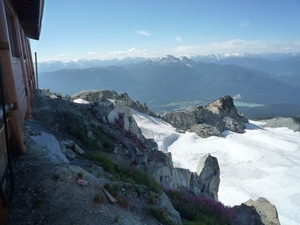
[
  {"x": 22, "y": 104},
  {"x": 18, "y": 79},
  {"x": 20, "y": 88}
]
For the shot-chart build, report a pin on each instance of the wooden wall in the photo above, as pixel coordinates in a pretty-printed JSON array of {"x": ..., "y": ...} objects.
[
  {"x": 18, "y": 75},
  {"x": 20, "y": 87}
]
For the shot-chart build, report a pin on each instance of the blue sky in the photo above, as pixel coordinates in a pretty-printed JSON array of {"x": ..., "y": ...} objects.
[{"x": 102, "y": 29}]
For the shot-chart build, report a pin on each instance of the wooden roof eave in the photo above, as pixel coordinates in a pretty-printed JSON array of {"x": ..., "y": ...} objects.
[{"x": 30, "y": 14}]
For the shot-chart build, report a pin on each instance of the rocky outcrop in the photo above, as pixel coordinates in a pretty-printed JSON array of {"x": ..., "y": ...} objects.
[
  {"x": 95, "y": 96},
  {"x": 208, "y": 180},
  {"x": 259, "y": 212},
  {"x": 210, "y": 120},
  {"x": 203, "y": 183}
]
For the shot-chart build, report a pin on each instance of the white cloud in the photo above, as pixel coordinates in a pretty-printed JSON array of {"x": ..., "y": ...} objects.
[
  {"x": 132, "y": 50},
  {"x": 214, "y": 47},
  {"x": 178, "y": 39},
  {"x": 63, "y": 55},
  {"x": 92, "y": 53},
  {"x": 237, "y": 97},
  {"x": 244, "y": 23},
  {"x": 143, "y": 32}
]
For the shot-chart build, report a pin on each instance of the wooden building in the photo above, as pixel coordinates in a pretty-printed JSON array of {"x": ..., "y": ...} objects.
[{"x": 19, "y": 21}]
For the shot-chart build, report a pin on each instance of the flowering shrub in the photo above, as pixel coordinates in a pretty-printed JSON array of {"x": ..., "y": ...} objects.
[
  {"x": 119, "y": 120},
  {"x": 200, "y": 209},
  {"x": 126, "y": 136},
  {"x": 129, "y": 139}
]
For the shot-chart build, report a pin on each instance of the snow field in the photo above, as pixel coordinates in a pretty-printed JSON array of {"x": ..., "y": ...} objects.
[{"x": 262, "y": 162}]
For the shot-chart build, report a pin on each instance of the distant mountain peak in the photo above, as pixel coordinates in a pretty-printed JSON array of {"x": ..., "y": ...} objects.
[{"x": 171, "y": 60}]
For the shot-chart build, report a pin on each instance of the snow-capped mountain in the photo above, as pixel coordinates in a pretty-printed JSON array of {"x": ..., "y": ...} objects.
[
  {"x": 53, "y": 65},
  {"x": 213, "y": 58},
  {"x": 171, "y": 60},
  {"x": 262, "y": 162}
]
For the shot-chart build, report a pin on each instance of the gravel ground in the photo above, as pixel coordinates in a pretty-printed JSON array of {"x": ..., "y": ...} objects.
[{"x": 47, "y": 192}]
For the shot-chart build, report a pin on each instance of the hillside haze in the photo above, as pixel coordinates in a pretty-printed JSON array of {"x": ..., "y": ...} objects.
[{"x": 169, "y": 80}]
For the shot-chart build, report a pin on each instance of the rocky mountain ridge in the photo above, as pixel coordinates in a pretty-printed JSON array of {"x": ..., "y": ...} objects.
[{"x": 105, "y": 123}]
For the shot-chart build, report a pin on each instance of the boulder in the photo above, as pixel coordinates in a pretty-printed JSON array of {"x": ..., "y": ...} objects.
[
  {"x": 259, "y": 212},
  {"x": 266, "y": 210},
  {"x": 166, "y": 204},
  {"x": 69, "y": 144}
]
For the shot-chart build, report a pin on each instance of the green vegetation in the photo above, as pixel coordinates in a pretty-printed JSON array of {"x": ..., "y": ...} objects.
[
  {"x": 112, "y": 189},
  {"x": 99, "y": 199},
  {"x": 123, "y": 203},
  {"x": 80, "y": 175},
  {"x": 101, "y": 160},
  {"x": 134, "y": 175},
  {"x": 128, "y": 174},
  {"x": 56, "y": 177},
  {"x": 162, "y": 216},
  {"x": 99, "y": 140}
]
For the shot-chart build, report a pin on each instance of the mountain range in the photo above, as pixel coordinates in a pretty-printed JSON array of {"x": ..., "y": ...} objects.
[
  {"x": 163, "y": 83},
  {"x": 52, "y": 65}
]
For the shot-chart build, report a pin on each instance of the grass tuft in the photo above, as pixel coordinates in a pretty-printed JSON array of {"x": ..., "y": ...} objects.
[{"x": 55, "y": 177}]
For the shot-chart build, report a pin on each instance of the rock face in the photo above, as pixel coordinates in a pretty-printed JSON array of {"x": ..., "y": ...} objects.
[
  {"x": 203, "y": 183},
  {"x": 256, "y": 212},
  {"x": 246, "y": 215},
  {"x": 210, "y": 120}
]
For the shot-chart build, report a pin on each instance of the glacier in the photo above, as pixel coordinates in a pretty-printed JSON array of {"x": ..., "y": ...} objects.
[{"x": 262, "y": 162}]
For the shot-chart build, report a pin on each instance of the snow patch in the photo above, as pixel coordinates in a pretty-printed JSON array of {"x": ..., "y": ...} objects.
[{"x": 81, "y": 101}]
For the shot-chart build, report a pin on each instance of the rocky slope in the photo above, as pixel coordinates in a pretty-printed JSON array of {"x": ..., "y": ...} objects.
[{"x": 67, "y": 141}]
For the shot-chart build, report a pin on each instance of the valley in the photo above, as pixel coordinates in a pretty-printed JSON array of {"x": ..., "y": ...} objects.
[{"x": 169, "y": 83}]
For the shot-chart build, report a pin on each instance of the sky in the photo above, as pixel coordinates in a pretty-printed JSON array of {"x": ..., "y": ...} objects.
[
  {"x": 101, "y": 29},
  {"x": 262, "y": 162}
]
